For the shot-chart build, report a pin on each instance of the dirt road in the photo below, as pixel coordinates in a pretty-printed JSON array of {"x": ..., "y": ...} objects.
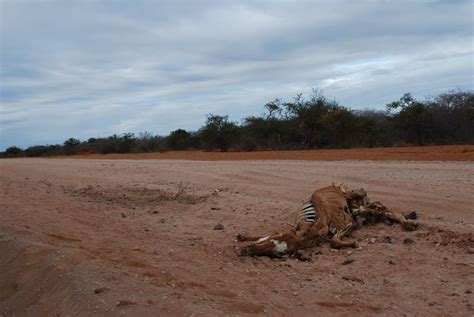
[{"x": 111, "y": 237}]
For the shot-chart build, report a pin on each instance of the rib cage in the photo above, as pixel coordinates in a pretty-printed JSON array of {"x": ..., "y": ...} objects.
[{"x": 308, "y": 213}]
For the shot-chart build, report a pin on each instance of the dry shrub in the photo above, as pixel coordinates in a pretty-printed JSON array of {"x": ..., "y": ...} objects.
[
  {"x": 182, "y": 194},
  {"x": 135, "y": 197}
]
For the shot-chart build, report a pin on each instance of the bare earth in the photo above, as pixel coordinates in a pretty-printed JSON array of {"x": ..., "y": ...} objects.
[
  {"x": 412, "y": 153},
  {"x": 136, "y": 237}
]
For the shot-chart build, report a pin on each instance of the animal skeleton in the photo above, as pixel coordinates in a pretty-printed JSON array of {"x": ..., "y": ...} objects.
[{"x": 331, "y": 213}]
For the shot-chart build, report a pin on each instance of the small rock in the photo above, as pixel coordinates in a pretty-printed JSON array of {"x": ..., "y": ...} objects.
[
  {"x": 392, "y": 262},
  {"x": 215, "y": 208},
  {"x": 455, "y": 294},
  {"x": 123, "y": 215},
  {"x": 468, "y": 291},
  {"x": 154, "y": 212},
  {"x": 412, "y": 215},
  {"x": 125, "y": 302},
  {"x": 349, "y": 252},
  {"x": 295, "y": 294},
  {"x": 347, "y": 261},
  {"x": 101, "y": 290},
  {"x": 390, "y": 239},
  {"x": 302, "y": 256},
  {"x": 448, "y": 195},
  {"x": 219, "y": 226},
  {"x": 409, "y": 241},
  {"x": 353, "y": 279},
  {"x": 372, "y": 240},
  {"x": 470, "y": 250}
]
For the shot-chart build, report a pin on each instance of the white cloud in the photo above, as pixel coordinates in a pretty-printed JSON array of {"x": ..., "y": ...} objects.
[{"x": 88, "y": 68}]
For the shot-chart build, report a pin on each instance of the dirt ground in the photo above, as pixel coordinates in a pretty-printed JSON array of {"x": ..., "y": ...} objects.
[
  {"x": 419, "y": 153},
  {"x": 137, "y": 238}
]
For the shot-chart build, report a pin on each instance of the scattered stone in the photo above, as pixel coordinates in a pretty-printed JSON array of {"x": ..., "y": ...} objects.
[
  {"x": 295, "y": 294},
  {"x": 125, "y": 302},
  {"x": 347, "y": 261},
  {"x": 392, "y": 262},
  {"x": 123, "y": 215},
  {"x": 215, "y": 208},
  {"x": 448, "y": 195},
  {"x": 470, "y": 250},
  {"x": 468, "y": 291},
  {"x": 455, "y": 294},
  {"x": 412, "y": 216},
  {"x": 154, "y": 212},
  {"x": 101, "y": 290},
  {"x": 353, "y": 279},
  {"x": 389, "y": 239},
  {"x": 302, "y": 256},
  {"x": 409, "y": 241},
  {"x": 349, "y": 252},
  {"x": 372, "y": 240},
  {"x": 318, "y": 252},
  {"x": 219, "y": 226}
]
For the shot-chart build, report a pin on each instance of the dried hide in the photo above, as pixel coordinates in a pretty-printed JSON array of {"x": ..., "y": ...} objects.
[{"x": 330, "y": 214}]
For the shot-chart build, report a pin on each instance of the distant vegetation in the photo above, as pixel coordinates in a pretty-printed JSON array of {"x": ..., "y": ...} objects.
[{"x": 299, "y": 124}]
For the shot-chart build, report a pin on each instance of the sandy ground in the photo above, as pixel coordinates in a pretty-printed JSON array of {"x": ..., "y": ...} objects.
[{"x": 123, "y": 237}]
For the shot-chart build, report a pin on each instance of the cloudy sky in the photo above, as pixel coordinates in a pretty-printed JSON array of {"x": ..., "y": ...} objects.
[{"x": 87, "y": 68}]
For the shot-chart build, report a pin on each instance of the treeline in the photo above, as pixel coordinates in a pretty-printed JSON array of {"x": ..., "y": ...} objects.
[{"x": 311, "y": 123}]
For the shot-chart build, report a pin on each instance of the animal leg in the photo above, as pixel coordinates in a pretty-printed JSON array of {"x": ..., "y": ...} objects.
[
  {"x": 379, "y": 211},
  {"x": 337, "y": 242},
  {"x": 272, "y": 246},
  {"x": 242, "y": 237}
]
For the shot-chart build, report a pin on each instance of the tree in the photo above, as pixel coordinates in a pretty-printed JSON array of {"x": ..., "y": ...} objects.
[
  {"x": 71, "y": 142},
  {"x": 309, "y": 119},
  {"x": 218, "y": 132},
  {"x": 179, "y": 139},
  {"x": 70, "y": 146},
  {"x": 413, "y": 118},
  {"x": 13, "y": 151}
]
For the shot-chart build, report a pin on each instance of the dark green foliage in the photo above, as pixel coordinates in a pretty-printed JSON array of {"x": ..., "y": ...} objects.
[
  {"x": 414, "y": 119},
  {"x": 300, "y": 124},
  {"x": 13, "y": 151},
  {"x": 218, "y": 133},
  {"x": 71, "y": 146},
  {"x": 179, "y": 140}
]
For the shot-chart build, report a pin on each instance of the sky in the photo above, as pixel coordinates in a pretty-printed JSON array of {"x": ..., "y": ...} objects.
[{"x": 93, "y": 68}]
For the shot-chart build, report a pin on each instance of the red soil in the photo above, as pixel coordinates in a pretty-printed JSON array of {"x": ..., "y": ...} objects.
[
  {"x": 420, "y": 153},
  {"x": 136, "y": 238}
]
